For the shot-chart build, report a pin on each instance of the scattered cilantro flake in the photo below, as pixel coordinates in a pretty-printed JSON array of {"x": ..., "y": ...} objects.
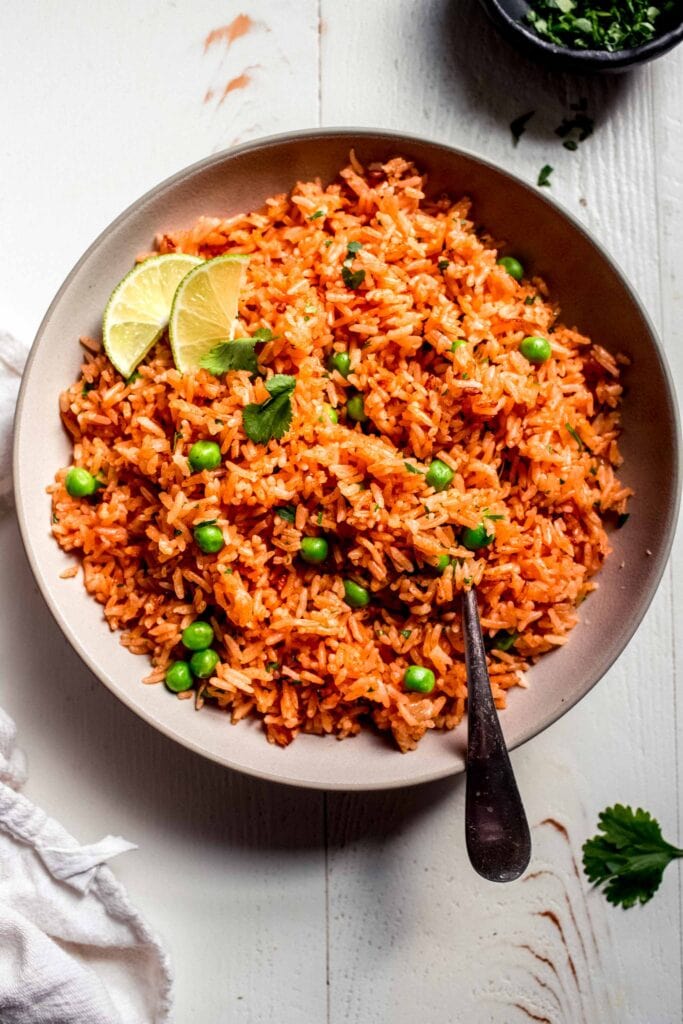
[
  {"x": 413, "y": 469},
  {"x": 317, "y": 214},
  {"x": 352, "y": 278},
  {"x": 88, "y": 387},
  {"x": 405, "y": 633},
  {"x": 571, "y": 144},
  {"x": 327, "y": 243},
  {"x": 272, "y": 666},
  {"x": 628, "y": 855},
  {"x": 286, "y": 512},
  {"x": 544, "y": 176},
  {"x": 529, "y": 300},
  {"x": 228, "y": 572},
  {"x": 442, "y": 265},
  {"x": 320, "y": 517},
  {"x": 55, "y": 517},
  {"x": 518, "y": 126},
  {"x": 504, "y": 639},
  {"x": 575, "y": 434},
  {"x": 353, "y": 247}
]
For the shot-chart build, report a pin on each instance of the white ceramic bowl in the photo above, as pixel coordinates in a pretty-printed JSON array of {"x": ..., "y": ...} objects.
[{"x": 593, "y": 294}]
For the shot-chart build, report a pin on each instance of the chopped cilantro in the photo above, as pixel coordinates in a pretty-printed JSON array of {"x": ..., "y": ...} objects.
[
  {"x": 442, "y": 264},
  {"x": 597, "y": 24},
  {"x": 571, "y": 144},
  {"x": 320, "y": 517},
  {"x": 405, "y": 633},
  {"x": 352, "y": 278},
  {"x": 575, "y": 434},
  {"x": 413, "y": 469},
  {"x": 286, "y": 512},
  {"x": 544, "y": 176},
  {"x": 529, "y": 300},
  {"x": 518, "y": 126},
  {"x": 272, "y": 666},
  {"x": 270, "y": 419},
  {"x": 317, "y": 214}
]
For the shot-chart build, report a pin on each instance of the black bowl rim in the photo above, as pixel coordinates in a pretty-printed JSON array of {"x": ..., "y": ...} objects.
[{"x": 586, "y": 59}]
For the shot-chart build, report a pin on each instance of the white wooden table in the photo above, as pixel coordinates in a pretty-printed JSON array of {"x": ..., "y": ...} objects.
[{"x": 292, "y": 906}]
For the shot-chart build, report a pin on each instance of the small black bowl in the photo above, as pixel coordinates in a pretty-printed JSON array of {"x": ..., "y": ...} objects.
[{"x": 508, "y": 16}]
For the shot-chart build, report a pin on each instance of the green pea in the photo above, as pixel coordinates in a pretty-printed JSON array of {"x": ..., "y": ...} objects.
[
  {"x": 80, "y": 483},
  {"x": 513, "y": 267},
  {"x": 209, "y": 539},
  {"x": 313, "y": 549},
  {"x": 535, "y": 349},
  {"x": 439, "y": 475},
  {"x": 441, "y": 564},
  {"x": 341, "y": 362},
  {"x": 332, "y": 414},
  {"x": 355, "y": 595},
  {"x": 204, "y": 455},
  {"x": 355, "y": 407},
  {"x": 504, "y": 639},
  {"x": 197, "y": 636},
  {"x": 476, "y": 537},
  {"x": 203, "y": 663},
  {"x": 178, "y": 677},
  {"x": 458, "y": 343},
  {"x": 419, "y": 679}
]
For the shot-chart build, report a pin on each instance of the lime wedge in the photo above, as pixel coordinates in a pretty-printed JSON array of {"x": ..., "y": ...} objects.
[
  {"x": 204, "y": 309},
  {"x": 138, "y": 308}
]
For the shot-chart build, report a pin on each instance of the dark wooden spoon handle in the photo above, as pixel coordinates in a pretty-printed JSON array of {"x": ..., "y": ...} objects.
[{"x": 496, "y": 828}]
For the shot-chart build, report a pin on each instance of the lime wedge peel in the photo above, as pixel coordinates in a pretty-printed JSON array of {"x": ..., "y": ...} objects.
[
  {"x": 139, "y": 307},
  {"x": 204, "y": 309}
]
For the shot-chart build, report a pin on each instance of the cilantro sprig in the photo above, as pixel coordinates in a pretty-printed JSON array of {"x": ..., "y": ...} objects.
[
  {"x": 264, "y": 421},
  {"x": 628, "y": 856},
  {"x": 239, "y": 354}
]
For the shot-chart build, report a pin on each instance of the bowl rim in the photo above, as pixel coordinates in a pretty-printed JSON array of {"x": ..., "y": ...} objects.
[
  {"x": 586, "y": 59},
  {"x": 264, "y": 143}
]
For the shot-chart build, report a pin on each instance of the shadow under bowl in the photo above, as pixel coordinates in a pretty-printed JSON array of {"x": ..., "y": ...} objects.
[
  {"x": 593, "y": 295},
  {"x": 509, "y": 15}
]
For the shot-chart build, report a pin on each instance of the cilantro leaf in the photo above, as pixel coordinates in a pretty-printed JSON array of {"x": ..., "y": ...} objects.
[
  {"x": 628, "y": 855},
  {"x": 280, "y": 384},
  {"x": 518, "y": 126},
  {"x": 264, "y": 421},
  {"x": 239, "y": 354},
  {"x": 286, "y": 512},
  {"x": 352, "y": 278},
  {"x": 353, "y": 247},
  {"x": 414, "y": 469},
  {"x": 317, "y": 214},
  {"x": 544, "y": 176},
  {"x": 442, "y": 265}
]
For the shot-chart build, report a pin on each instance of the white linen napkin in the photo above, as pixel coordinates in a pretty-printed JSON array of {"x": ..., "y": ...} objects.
[{"x": 73, "y": 950}]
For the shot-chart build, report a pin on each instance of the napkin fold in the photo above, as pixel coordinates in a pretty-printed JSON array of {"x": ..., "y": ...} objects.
[{"x": 73, "y": 949}]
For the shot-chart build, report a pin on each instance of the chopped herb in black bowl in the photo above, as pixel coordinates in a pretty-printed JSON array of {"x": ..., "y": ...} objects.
[{"x": 589, "y": 35}]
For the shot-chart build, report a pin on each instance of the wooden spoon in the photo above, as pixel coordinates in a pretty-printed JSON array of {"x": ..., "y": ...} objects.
[{"x": 496, "y": 828}]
